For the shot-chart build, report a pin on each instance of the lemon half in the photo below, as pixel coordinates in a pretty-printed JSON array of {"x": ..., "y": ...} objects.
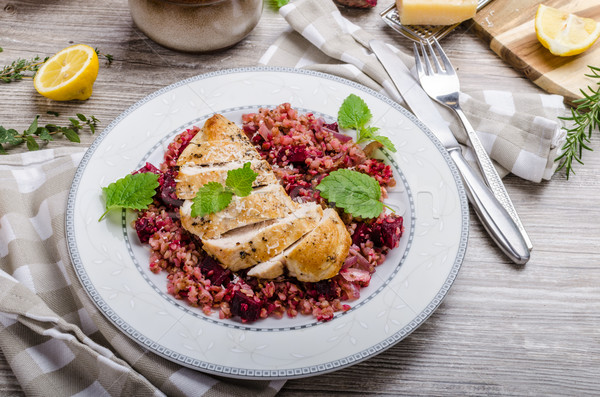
[
  {"x": 565, "y": 34},
  {"x": 69, "y": 74}
]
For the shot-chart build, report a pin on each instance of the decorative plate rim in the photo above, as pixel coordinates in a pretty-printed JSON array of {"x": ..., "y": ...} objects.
[{"x": 263, "y": 374}]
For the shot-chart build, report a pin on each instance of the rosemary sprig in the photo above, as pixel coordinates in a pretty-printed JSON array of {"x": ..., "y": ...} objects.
[
  {"x": 584, "y": 119},
  {"x": 45, "y": 134}
]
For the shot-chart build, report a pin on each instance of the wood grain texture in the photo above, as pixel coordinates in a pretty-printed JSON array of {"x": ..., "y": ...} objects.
[
  {"x": 502, "y": 330},
  {"x": 508, "y": 26}
]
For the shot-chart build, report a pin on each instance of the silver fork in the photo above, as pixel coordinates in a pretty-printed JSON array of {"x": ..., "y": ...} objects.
[{"x": 441, "y": 84}]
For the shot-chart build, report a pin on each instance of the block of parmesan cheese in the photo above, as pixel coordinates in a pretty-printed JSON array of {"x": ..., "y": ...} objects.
[{"x": 435, "y": 12}]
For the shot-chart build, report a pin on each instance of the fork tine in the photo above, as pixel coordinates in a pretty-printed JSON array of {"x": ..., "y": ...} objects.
[
  {"x": 437, "y": 64},
  {"x": 418, "y": 64},
  {"x": 428, "y": 68},
  {"x": 447, "y": 64}
]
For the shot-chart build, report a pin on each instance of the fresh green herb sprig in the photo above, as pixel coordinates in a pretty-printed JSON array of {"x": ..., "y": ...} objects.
[
  {"x": 35, "y": 132},
  {"x": 214, "y": 197},
  {"x": 357, "y": 193},
  {"x": 109, "y": 58},
  {"x": 134, "y": 191},
  {"x": 27, "y": 68},
  {"x": 21, "y": 68},
  {"x": 355, "y": 114},
  {"x": 584, "y": 119}
]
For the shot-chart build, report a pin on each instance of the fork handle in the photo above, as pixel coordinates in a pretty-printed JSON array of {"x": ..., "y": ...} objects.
[
  {"x": 490, "y": 212},
  {"x": 491, "y": 175}
]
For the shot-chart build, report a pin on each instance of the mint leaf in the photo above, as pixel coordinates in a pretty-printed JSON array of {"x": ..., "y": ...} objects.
[
  {"x": 366, "y": 134},
  {"x": 357, "y": 193},
  {"x": 240, "y": 180},
  {"x": 385, "y": 141},
  {"x": 133, "y": 191},
  {"x": 354, "y": 113},
  {"x": 210, "y": 198}
]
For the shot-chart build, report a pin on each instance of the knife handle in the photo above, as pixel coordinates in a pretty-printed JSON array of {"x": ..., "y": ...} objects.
[
  {"x": 491, "y": 175},
  {"x": 494, "y": 217}
]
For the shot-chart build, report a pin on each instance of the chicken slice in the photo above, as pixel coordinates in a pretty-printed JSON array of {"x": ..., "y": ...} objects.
[
  {"x": 321, "y": 253},
  {"x": 217, "y": 152},
  {"x": 219, "y": 141},
  {"x": 191, "y": 178},
  {"x": 219, "y": 128},
  {"x": 270, "y": 269},
  {"x": 318, "y": 255},
  {"x": 263, "y": 204},
  {"x": 245, "y": 247}
]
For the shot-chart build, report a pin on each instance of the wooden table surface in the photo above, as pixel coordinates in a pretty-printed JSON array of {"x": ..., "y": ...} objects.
[{"x": 502, "y": 330}]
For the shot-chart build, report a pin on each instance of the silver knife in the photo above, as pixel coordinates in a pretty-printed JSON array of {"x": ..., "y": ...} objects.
[{"x": 494, "y": 217}]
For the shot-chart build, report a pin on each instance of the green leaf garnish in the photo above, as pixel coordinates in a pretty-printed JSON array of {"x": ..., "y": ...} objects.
[
  {"x": 210, "y": 198},
  {"x": 46, "y": 133},
  {"x": 355, "y": 114},
  {"x": 240, "y": 180},
  {"x": 214, "y": 197},
  {"x": 357, "y": 193},
  {"x": 133, "y": 191}
]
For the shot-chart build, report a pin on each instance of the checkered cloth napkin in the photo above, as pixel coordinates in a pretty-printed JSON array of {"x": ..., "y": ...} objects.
[
  {"x": 521, "y": 132},
  {"x": 55, "y": 340}
]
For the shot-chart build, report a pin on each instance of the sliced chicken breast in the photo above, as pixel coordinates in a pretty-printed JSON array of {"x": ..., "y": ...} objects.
[
  {"x": 246, "y": 247},
  {"x": 191, "y": 178},
  {"x": 263, "y": 204},
  {"x": 318, "y": 255},
  {"x": 219, "y": 141},
  {"x": 219, "y": 128},
  {"x": 270, "y": 269},
  {"x": 217, "y": 152},
  {"x": 265, "y": 230}
]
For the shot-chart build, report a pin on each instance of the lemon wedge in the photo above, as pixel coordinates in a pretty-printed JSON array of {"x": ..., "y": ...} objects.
[
  {"x": 565, "y": 34},
  {"x": 69, "y": 74}
]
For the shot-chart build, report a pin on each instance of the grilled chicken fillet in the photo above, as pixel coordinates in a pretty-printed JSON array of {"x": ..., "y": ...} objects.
[
  {"x": 319, "y": 255},
  {"x": 265, "y": 231}
]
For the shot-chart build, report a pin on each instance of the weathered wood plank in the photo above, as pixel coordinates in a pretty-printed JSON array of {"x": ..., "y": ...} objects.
[{"x": 502, "y": 330}]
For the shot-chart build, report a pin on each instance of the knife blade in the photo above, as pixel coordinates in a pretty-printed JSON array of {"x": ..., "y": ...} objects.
[{"x": 494, "y": 217}]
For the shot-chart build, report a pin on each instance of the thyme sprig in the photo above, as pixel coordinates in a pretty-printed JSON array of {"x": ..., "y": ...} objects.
[
  {"x": 26, "y": 68},
  {"x": 21, "y": 68},
  {"x": 109, "y": 58},
  {"x": 36, "y": 133},
  {"x": 584, "y": 119}
]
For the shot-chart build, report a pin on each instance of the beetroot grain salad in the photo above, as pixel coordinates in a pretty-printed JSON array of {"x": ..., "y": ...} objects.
[{"x": 301, "y": 150}]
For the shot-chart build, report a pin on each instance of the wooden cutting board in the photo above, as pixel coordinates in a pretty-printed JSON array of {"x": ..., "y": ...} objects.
[{"x": 508, "y": 26}]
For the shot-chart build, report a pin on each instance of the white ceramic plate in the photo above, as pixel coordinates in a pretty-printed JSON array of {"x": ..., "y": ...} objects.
[{"x": 113, "y": 266}]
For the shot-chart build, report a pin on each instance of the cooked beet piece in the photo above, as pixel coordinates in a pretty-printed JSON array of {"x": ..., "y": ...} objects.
[
  {"x": 215, "y": 272},
  {"x": 362, "y": 233},
  {"x": 297, "y": 154},
  {"x": 167, "y": 188},
  {"x": 327, "y": 289},
  {"x": 386, "y": 232},
  {"x": 145, "y": 228},
  {"x": 148, "y": 167},
  {"x": 332, "y": 126},
  {"x": 246, "y": 307}
]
